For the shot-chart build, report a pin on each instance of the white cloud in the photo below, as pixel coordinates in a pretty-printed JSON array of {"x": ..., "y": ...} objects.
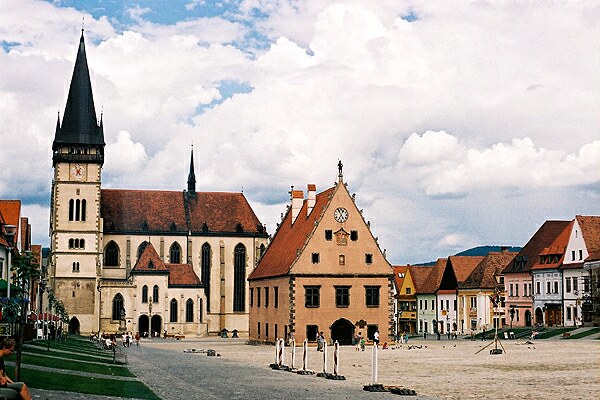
[{"x": 504, "y": 98}]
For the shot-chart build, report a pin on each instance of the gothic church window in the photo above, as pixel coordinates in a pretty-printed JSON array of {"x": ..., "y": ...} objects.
[
  {"x": 173, "y": 311},
  {"x": 111, "y": 255},
  {"x": 239, "y": 278},
  {"x": 205, "y": 272},
  {"x": 155, "y": 294},
  {"x": 175, "y": 253},
  {"x": 189, "y": 310},
  {"x": 118, "y": 307},
  {"x": 141, "y": 248},
  {"x": 144, "y": 294}
]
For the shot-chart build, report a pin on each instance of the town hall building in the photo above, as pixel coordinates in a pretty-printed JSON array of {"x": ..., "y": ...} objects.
[{"x": 142, "y": 260}]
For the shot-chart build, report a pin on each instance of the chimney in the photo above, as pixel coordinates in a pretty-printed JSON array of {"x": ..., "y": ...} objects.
[
  {"x": 297, "y": 200},
  {"x": 311, "y": 198}
]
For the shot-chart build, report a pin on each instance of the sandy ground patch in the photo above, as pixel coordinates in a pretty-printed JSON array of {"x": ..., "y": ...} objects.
[{"x": 445, "y": 369}]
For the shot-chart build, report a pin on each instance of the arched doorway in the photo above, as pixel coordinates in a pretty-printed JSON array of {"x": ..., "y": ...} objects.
[
  {"x": 156, "y": 324},
  {"x": 539, "y": 316},
  {"x": 74, "y": 326},
  {"x": 527, "y": 318},
  {"x": 143, "y": 325},
  {"x": 342, "y": 330}
]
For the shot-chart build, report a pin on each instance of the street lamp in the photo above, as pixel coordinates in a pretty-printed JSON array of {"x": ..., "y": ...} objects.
[{"x": 9, "y": 233}]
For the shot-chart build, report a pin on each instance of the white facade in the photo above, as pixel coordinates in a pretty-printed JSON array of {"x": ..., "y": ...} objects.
[{"x": 575, "y": 279}]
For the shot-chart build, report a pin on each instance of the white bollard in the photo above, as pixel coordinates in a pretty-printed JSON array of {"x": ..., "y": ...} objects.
[
  {"x": 374, "y": 366},
  {"x": 304, "y": 355},
  {"x": 281, "y": 354},
  {"x": 276, "y": 352},
  {"x": 336, "y": 358},
  {"x": 324, "y": 357},
  {"x": 293, "y": 344}
]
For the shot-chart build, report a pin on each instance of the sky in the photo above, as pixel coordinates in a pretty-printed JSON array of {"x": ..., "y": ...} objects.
[{"x": 458, "y": 123}]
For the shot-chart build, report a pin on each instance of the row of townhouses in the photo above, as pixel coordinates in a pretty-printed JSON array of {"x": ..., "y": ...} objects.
[{"x": 552, "y": 281}]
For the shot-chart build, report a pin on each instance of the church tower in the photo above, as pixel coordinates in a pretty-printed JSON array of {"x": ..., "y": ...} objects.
[{"x": 75, "y": 223}]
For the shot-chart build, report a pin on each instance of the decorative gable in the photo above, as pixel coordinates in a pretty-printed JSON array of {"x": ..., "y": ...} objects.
[{"x": 341, "y": 237}]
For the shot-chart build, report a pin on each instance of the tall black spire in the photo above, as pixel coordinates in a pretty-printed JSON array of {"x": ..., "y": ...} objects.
[
  {"x": 79, "y": 125},
  {"x": 191, "y": 190}
]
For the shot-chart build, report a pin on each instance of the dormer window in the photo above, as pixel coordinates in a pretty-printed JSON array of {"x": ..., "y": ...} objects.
[{"x": 150, "y": 264}]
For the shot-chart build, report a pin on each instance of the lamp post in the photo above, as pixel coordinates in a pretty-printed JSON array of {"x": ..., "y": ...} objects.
[{"x": 9, "y": 233}]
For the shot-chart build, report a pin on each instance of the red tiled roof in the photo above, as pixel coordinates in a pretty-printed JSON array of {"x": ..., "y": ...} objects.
[
  {"x": 36, "y": 250},
  {"x": 282, "y": 251},
  {"x": 595, "y": 256},
  {"x": 166, "y": 211},
  {"x": 483, "y": 276},
  {"x": 399, "y": 269},
  {"x": 544, "y": 237},
  {"x": 149, "y": 261},
  {"x": 590, "y": 229},
  {"x": 419, "y": 275},
  {"x": 463, "y": 266},
  {"x": 432, "y": 283},
  {"x": 557, "y": 248},
  {"x": 10, "y": 211},
  {"x": 182, "y": 275}
]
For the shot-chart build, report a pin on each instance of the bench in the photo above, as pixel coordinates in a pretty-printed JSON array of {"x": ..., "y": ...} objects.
[
  {"x": 566, "y": 335},
  {"x": 174, "y": 336}
]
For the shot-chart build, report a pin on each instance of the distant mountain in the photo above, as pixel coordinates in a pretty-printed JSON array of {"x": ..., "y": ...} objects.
[
  {"x": 485, "y": 250},
  {"x": 476, "y": 251}
]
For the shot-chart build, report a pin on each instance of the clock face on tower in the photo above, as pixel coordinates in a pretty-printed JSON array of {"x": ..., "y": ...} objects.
[
  {"x": 78, "y": 172},
  {"x": 340, "y": 214}
]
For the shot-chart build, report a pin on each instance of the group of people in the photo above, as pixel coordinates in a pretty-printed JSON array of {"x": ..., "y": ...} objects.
[
  {"x": 109, "y": 342},
  {"x": 359, "y": 342},
  {"x": 320, "y": 341}
]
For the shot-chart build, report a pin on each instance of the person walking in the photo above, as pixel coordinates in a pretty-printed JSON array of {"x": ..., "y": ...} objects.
[
  {"x": 320, "y": 341},
  {"x": 376, "y": 338},
  {"x": 358, "y": 339}
]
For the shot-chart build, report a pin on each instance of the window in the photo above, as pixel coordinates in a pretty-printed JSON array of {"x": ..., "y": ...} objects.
[
  {"x": 76, "y": 267},
  {"x": 516, "y": 289},
  {"x": 311, "y": 332},
  {"x": 421, "y": 304},
  {"x": 189, "y": 310},
  {"x": 408, "y": 290},
  {"x": 473, "y": 300},
  {"x": 586, "y": 284},
  {"x": 251, "y": 297},
  {"x": 371, "y": 329},
  {"x": 510, "y": 290},
  {"x": 205, "y": 272},
  {"x": 276, "y": 297},
  {"x": 342, "y": 259},
  {"x": 342, "y": 296},
  {"x": 568, "y": 285},
  {"x": 555, "y": 286},
  {"x": 447, "y": 305},
  {"x": 368, "y": 258},
  {"x": 111, "y": 255},
  {"x": 155, "y": 294},
  {"x": 312, "y": 296},
  {"x": 315, "y": 258},
  {"x": 175, "y": 253},
  {"x": 580, "y": 254},
  {"x": 239, "y": 278},
  {"x": 572, "y": 257},
  {"x": 266, "y": 297},
  {"x": 328, "y": 234},
  {"x": 575, "y": 285},
  {"x": 441, "y": 304},
  {"x": 372, "y": 296},
  {"x": 144, "y": 294},
  {"x": 257, "y": 297},
  {"x": 547, "y": 287},
  {"x": 432, "y": 305},
  {"x": 454, "y": 304},
  {"x": 71, "y": 245},
  {"x": 258, "y": 328},
  {"x": 266, "y": 330},
  {"x": 568, "y": 313},
  {"x": 537, "y": 288},
  {"x": 425, "y": 304},
  {"x": 118, "y": 308},
  {"x": 77, "y": 210},
  {"x": 141, "y": 248},
  {"x": 354, "y": 236},
  {"x": 173, "y": 311}
]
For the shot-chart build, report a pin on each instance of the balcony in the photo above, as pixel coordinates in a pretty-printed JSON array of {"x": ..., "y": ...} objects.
[{"x": 66, "y": 157}]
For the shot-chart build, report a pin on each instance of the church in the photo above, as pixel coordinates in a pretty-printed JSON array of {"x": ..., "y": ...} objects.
[{"x": 142, "y": 260}]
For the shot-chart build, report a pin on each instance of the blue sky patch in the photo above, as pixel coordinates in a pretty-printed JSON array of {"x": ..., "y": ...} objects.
[
  {"x": 228, "y": 89},
  {"x": 7, "y": 46}
]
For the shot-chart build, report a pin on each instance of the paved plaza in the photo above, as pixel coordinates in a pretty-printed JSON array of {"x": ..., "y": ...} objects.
[{"x": 565, "y": 369}]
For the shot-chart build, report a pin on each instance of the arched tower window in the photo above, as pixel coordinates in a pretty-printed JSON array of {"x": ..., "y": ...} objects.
[
  {"x": 189, "y": 310},
  {"x": 71, "y": 243},
  {"x": 155, "y": 294},
  {"x": 71, "y": 210},
  {"x": 83, "y": 209},
  {"x": 144, "y": 294},
  {"x": 141, "y": 248},
  {"x": 173, "y": 311},
  {"x": 111, "y": 255},
  {"x": 118, "y": 307},
  {"x": 175, "y": 253},
  {"x": 262, "y": 249},
  {"x": 205, "y": 272},
  {"x": 77, "y": 209},
  {"x": 239, "y": 278}
]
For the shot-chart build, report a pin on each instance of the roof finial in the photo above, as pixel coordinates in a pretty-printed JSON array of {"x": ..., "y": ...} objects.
[
  {"x": 340, "y": 175},
  {"x": 82, "y": 23}
]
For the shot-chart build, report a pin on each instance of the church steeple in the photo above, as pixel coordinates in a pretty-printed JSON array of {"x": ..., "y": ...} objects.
[
  {"x": 191, "y": 190},
  {"x": 79, "y": 125}
]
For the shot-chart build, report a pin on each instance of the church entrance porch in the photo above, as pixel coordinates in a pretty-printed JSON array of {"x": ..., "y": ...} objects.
[
  {"x": 342, "y": 330},
  {"x": 144, "y": 325},
  {"x": 156, "y": 325},
  {"x": 74, "y": 326}
]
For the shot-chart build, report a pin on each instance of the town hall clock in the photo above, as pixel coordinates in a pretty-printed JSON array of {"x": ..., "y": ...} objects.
[
  {"x": 78, "y": 172},
  {"x": 340, "y": 214}
]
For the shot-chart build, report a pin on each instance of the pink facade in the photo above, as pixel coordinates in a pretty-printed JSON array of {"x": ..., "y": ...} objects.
[{"x": 520, "y": 298}]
